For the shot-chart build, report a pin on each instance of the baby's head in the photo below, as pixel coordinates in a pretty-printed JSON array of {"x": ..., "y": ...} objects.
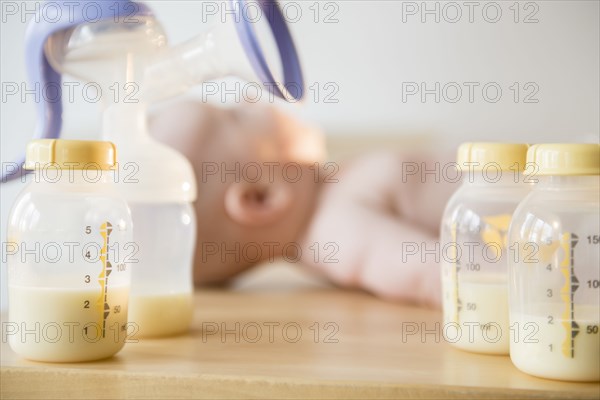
[{"x": 257, "y": 181}]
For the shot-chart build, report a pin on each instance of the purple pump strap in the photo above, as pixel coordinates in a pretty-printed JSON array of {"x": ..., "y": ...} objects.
[{"x": 292, "y": 72}]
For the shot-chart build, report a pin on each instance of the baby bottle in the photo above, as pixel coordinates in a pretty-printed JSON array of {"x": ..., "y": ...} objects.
[
  {"x": 69, "y": 237},
  {"x": 473, "y": 234},
  {"x": 554, "y": 271}
]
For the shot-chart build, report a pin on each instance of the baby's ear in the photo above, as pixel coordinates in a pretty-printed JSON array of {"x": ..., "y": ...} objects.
[{"x": 256, "y": 204}]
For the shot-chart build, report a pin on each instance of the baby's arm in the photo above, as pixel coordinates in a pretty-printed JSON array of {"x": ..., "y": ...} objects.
[{"x": 382, "y": 223}]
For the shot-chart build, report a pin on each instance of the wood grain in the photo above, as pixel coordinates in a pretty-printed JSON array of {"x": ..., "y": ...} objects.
[{"x": 360, "y": 352}]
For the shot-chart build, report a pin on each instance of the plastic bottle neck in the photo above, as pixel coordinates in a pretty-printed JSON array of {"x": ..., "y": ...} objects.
[
  {"x": 568, "y": 182},
  {"x": 73, "y": 180},
  {"x": 122, "y": 122},
  {"x": 160, "y": 174},
  {"x": 492, "y": 178}
]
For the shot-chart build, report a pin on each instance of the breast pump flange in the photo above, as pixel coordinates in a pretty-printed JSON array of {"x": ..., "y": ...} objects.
[{"x": 127, "y": 45}]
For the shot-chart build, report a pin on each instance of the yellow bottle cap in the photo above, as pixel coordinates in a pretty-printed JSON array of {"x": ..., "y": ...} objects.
[
  {"x": 565, "y": 158},
  {"x": 70, "y": 154},
  {"x": 506, "y": 156}
]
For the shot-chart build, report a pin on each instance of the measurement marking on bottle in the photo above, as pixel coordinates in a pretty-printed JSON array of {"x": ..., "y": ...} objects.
[
  {"x": 105, "y": 232},
  {"x": 455, "y": 270},
  {"x": 567, "y": 266},
  {"x": 493, "y": 232}
]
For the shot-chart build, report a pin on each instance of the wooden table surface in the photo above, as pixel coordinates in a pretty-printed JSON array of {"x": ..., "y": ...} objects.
[{"x": 314, "y": 342}]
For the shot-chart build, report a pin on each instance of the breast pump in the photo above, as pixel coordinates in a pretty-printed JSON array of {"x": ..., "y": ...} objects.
[{"x": 126, "y": 46}]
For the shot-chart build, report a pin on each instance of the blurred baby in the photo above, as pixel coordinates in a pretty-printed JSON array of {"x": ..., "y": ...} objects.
[{"x": 265, "y": 191}]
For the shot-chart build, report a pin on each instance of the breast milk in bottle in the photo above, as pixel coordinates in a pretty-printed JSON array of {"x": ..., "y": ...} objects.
[
  {"x": 474, "y": 253},
  {"x": 554, "y": 285},
  {"x": 67, "y": 255}
]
